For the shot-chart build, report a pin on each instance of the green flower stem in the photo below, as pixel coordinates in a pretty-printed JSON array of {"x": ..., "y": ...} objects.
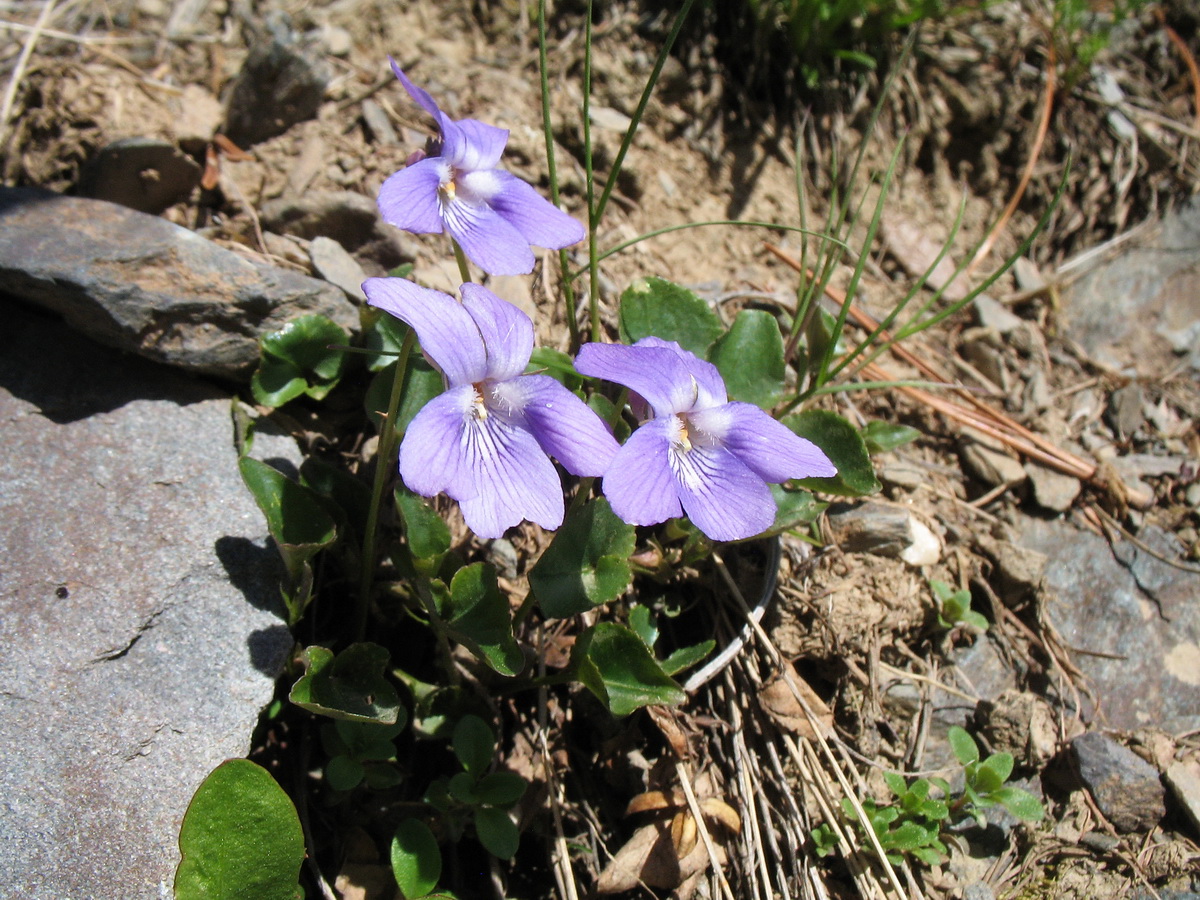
[
  {"x": 384, "y": 457},
  {"x": 590, "y": 175},
  {"x": 552, "y": 173},
  {"x": 464, "y": 268},
  {"x": 439, "y": 629}
]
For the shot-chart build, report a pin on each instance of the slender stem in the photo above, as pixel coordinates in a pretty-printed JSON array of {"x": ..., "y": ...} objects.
[
  {"x": 590, "y": 172},
  {"x": 552, "y": 173},
  {"x": 464, "y": 268},
  {"x": 439, "y": 628},
  {"x": 388, "y": 439}
]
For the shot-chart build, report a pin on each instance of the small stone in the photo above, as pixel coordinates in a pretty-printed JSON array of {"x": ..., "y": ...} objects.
[
  {"x": 1125, "y": 787},
  {"x": 1184, "y": 781},
  {"x": 1020, "y": 568},
  {"x": 503, "y": 555},
  {"x": 141, "y": 173},
  {"x": 1051, "y": 489},
  {"x": 1028, "y": 275},
  {"x": 1020, "y": 723},
  {"x": 884, "y": 530},
  {"x": 282, "y": 82},
  {"x": 514, "y": 289},
  {"x": 331, "y": 261},
  {"x": 1125, "y": 410},
  {"x": 379, "y": 126},
  {"x": 338, "y": 41},
  {"x": 990, "y": 466},
  {"x": 903, "y": 474},
  {"x": 979, "y": 890},
  {"x": 992, "y": 314}
]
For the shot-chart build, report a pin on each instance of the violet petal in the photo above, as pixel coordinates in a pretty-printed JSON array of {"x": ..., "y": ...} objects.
[
  {"x": 420, "y": 95},
  {"x": 710, "y": 385},
  {"x": 639, "y": 483},
  {"x": 656, "y": 373},
  {"x": 447, "y": 333},
  {"x": 561, "y": 423},
  {"x": 515, "y": 479},
  {"x": 469, "y": 145},
  {"x": 486, "y": 239},
  {"x": 432, "y": 457},
  {"x": 507, "y": 332},
  {"x": 409, "y": 198},
  {"x": 539, "y": 221},
  {"x": 721, "y": 496},
  {"x": 767, "y": 447}
]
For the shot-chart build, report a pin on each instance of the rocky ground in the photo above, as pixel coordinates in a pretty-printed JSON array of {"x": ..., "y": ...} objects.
[{"x": 1058, "y": 483}]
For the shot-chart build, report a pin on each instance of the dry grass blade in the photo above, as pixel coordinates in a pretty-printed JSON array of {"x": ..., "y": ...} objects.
[{"x": 10, "y": 94}]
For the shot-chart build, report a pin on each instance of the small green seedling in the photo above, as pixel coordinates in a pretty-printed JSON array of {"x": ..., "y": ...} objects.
[
  {"x": 913, "y": 824},
  {"x": 955, "y": 607},
  {"x": 477, "y": 795},
  {"x": 361, "y": 752}
]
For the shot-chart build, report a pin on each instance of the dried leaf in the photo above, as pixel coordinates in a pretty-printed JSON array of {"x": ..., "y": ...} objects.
[
  {"x": 781, "y": 704},
  {"x": 684, "y": 833},
  {"x": 651, "y": 800},
  {"x": 667, "y": 724},
  {"x": 720, "y": 811}
]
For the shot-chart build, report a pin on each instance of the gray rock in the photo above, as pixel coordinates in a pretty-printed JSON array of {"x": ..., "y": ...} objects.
[
  {"x": 378, "y": 124},
  {"x": 1184, "y": 782},
  {"x": 137, "y": 612},
  {"x": 1020, "y": 568},
  {"x": 1142, "y": 309},
  {"x": 331, "y": 261},
  {"x": 1145, "y": 668},
  {"x": 349, "y": 218},
  {"x": 979, "y": 890},
  {"x": 1020, "y": 723},
  {"x": 138, "y": 283},
  {"x": 992, "y": 314},
  {"x": 990, "y": 466},
  {"x": 282, "y": 82},
  {"x": 142, "y": 173},
  {"x": 1052, "y": 490},
  {"x": 1125, "y": 787}
]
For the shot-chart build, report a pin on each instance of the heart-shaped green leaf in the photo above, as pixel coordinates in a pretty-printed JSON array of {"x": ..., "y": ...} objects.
[
  {"x": 240, "y": 839},
  {"x": 296, "y": 516},
  {"x": 750, "y": 359},
  {"x": 497, "y": 832},
  {"x": 883, "y": 436},
  {"x": 614, "y": 664},
  {"x": 655, "y": 306},
  {"x": 427, "y": 534},
  {"x": 474, "y": 744},
  {"x": 297, "y": 360},
  {"x": 478, "y": 617},
  {"x": 350, "y": 685},
  {"x": 586, "y": 564},
  {"x": 845, "y": 448}
]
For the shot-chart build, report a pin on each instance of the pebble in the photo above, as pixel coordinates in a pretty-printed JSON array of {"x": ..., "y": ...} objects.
[
  {"x": 146, "y": 174},
  {"x": 1052, "y": 490},
  {"x": 992, "y": 467},
  {"x": 884, "y": 530},
  {"x": 1125, "y": 787},
  {"x": 1184, "y": 781},
  {"x": 331, "y": 261}
]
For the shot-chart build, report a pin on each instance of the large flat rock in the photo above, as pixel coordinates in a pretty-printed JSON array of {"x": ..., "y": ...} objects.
[
  {"x": 139, "y": 283},
  {"x": 136, "y": 611}
]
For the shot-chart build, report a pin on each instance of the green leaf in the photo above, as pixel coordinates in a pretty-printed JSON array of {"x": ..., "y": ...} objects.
[
  {"x": 297, "y": 360},
  {"x": 474, "y": 744},
  {"x": 478, "y": 617},
  {"x": 686, "y": 657},
  {"x": 927, "y": 855},
  {"x": 793, "y": 509},
  {"x": 999, "y": 764},
  {"x": 384, "y": 339},
  {"x": 1020, "y": 803},
  {"x": 421, "y": 384},
  {"x": 750, "y": 359},
  {"x": 641, "y": 620},
  {"x": 349, "y": 686},
  {"x": 881, "y": 436},
  {"x": 907, "y": 836},
  {"x": 382, "y": 776},
  {"x": 296, "y": 516},
  {"x": 845, "y": 448},
  {"x": 975, "y": 620},
  {"x": 369, "y": 740},
  {"x": 586, "y": 564},
  {"x": 344, "y": 773},
  {"x": 416, "y": 859},
  {"x": 614, "y": 664},
  {"x": 497, "y": 832},
  {"x": 895, "y": 783},
  {"x": 240, "y": 839},
  {"x": 655, "y": 306},
  {"x": 462, "y": 789},
  {"x": 965, "y": 749},
  {"x": 427, "y": 533},
  {"x": 557, "y": 365},
  {"x": 501, "y": 789},
  {"x": 348, "y": 496}
]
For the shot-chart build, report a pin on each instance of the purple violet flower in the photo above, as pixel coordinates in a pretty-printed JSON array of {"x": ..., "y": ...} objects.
[
  {"x": 493, "y": 215},
  {"x": 699, "y": 454},
  {"x": 485, "y": 441}
]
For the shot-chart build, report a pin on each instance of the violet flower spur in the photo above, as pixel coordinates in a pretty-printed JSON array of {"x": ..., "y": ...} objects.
[
  {"x": 699, "y": 454},
  {"x": 493, "y": 215},
  {"x": 487, "y": 439}
]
